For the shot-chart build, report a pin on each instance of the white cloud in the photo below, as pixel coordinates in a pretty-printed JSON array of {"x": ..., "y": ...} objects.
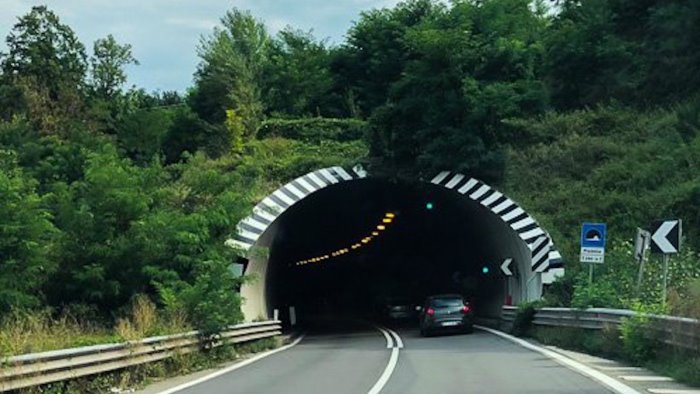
[{"x": 193, "y": 23}]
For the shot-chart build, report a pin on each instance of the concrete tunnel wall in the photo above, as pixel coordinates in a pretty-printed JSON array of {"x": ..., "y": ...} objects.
[{"x": 502, "y": 238}]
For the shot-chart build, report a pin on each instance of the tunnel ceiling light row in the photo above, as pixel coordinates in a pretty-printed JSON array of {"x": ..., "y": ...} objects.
[{"x": 386, "y": 221}]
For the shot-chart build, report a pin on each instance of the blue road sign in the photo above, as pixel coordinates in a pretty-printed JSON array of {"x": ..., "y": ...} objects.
[
  {"x": 593, "y": 235},
  {"x": 593, "y": 243}
]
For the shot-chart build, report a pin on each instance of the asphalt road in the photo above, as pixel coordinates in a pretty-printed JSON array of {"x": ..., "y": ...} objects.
[{"x": 354, "y": 358}]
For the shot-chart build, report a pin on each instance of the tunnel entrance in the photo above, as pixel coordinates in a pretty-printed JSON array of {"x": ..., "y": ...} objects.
[{"x": 344, "y": 246}]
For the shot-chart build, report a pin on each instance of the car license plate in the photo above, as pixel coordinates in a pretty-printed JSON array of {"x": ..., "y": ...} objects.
[{"x": 450, "y": 323}]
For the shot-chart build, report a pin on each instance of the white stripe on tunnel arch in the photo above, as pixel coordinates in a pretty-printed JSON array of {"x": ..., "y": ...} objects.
[
  {"x": 524, "y": 225},
  {"x": 271, "y": 207}
]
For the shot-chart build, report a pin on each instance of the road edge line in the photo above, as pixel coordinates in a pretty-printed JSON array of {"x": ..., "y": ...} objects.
[
  {"x": 574, "y": 365},
  {"x": 231, "y": 368}
]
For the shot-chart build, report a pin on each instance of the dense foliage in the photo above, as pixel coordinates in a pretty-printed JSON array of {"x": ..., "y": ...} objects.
[{"x": 582, "y": 110}]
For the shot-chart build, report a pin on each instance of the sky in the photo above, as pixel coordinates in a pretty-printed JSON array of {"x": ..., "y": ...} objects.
[{"x": 164, "y": 33}]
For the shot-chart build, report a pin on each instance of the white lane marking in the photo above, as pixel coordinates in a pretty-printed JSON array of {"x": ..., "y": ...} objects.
[
  {"x": 674, "y": 391},
  {"x": 633, "y": 378},
  {"x": 231, "y": 368},
  {"x": 585, "y": 370},
  {"x": 397, "y": 338},
  {"x": 387, "y": 372},
  {"x": 620, "y": 369},
  {"x": 389, "y": 342}
]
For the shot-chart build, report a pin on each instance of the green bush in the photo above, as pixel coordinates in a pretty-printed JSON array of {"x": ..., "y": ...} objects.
[
  {"x": 599, "y": 294},
  {"x": 639, "y": 339},
  {"x": 314, "y": 130},
  {"x": 522, "y": 324},
  {"x": 212, "y": 302}
]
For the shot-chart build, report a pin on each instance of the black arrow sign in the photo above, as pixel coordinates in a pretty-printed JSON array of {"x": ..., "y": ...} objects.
[{"x": 666, "y": 236}]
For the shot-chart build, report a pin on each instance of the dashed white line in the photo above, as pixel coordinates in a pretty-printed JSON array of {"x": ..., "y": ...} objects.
[
  {"x": 635, "y": 378},
  {"x": 620, "y": 369}
]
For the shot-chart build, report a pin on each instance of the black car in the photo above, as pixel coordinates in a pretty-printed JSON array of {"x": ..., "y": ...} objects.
[
  {"x": 395, "y": 308},
  {"x": 446, "y": 312}
]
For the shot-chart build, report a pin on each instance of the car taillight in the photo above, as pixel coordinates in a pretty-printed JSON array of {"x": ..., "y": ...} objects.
[
  {"x": 430, "y": 311},
  {"x": 466, "y": 309}
]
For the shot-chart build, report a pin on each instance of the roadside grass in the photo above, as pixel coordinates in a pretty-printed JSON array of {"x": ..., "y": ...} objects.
[
  {"x": 38, "y": 331},
  {"x": 29, "y": 332}
]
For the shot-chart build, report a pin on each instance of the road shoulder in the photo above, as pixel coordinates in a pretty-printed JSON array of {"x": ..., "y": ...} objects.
[
  {"x": 617, "y": 376},
  {"x": 168, "y": 384}
]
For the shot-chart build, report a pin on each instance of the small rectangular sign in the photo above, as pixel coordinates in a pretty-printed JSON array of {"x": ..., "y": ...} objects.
[{"x": 593, "y": 255}]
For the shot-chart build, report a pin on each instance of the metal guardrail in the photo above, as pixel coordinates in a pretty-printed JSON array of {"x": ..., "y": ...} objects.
[
  {"x": 35, "y": 369},
  {"x": 676, "y": 331}
]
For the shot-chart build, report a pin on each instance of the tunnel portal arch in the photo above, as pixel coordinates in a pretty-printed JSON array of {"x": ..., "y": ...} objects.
[{"x": 536, "y": 259}]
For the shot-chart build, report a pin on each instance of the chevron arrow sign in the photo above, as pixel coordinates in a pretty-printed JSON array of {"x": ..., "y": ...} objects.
[
  {"x": 666, "y": 236},
  {"x": 505, "y": 267}
]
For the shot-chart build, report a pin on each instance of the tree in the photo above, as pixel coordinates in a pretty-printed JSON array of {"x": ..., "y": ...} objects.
[
  {"x": 141, "y": 133},
  {"x": 375, "y": 53},
  {"x": 229, "y": 75},
  {"x": 46, "y": 64},
  {"x": 467, "y": 68},
  {"x": 107, "y": 66},
  {"x": 189, "y": 133},
  {"x": 99, "y": 258},
  {"x": 26, "y": 236},
  {"x": 298, "y": 79},
  {"x": 587, "y": 62}
]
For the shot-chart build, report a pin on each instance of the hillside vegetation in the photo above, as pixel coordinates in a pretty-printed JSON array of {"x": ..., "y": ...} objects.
[{"x": 582, "y": 110}]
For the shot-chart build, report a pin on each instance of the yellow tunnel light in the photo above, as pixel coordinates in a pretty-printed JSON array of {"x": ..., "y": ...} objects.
[
  {"x": 375, "y": 233},
  {"x": 390, "y": 215},
  {"x": 364, "y": 241},
  {"x": 381, "y": 227},
  {"x": 387, "y": 220}
]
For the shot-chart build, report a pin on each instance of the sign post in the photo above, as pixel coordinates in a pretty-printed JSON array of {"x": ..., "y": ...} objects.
[
  {"x": 593, "y": 245},
  {"x": 666, "y": 240},
  {"x": 641, "y": 245}
]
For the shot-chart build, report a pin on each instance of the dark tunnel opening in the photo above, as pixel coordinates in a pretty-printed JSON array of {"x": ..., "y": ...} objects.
[{"x": 437, "y": 242}]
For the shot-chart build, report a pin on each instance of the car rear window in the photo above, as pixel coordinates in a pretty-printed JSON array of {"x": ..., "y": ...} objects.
[{"x": 447, "y": 302}]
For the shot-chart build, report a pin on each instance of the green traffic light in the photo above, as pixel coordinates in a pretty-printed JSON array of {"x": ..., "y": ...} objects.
[
  {"x": 429, "y": 205},
  {"x": 485, "y": 270}
]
